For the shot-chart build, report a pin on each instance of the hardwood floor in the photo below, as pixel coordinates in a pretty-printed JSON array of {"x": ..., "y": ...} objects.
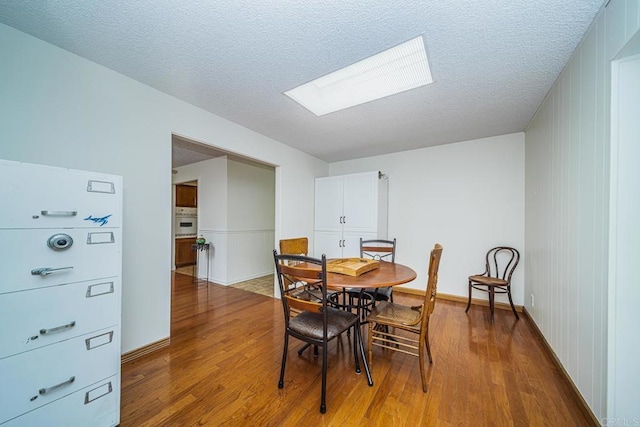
[{"x": 223, "y": 364}]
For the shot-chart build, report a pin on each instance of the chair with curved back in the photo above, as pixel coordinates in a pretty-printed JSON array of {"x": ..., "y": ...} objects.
[
  {"x": 315, "y": 321},
  {"x": 412, "y": 320},
  {"x": 381, "y": 250},
  {"x": 500, "y": 262}
]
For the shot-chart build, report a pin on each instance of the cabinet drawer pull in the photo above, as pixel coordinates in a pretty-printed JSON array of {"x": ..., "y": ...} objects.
[
  {"x": 59, "y": 213},
  {"x": 45, "y": 271},
  {"x": 101, "y": 187},
  {"x": 99, "y": 340},
  {"x": 57, "y": 328},
  {"x": 97, "y": 393},
  {"x": 43, "y": 391}
]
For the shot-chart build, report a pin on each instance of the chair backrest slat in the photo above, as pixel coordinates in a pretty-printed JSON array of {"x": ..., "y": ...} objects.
[
  {"x": 302, "y": 283},
  {"x": 295, "y": 246},
  {"x": 432, "y": 282},
  {"x": 378, "y": 249},
  {"x": 303, "y": 305}
]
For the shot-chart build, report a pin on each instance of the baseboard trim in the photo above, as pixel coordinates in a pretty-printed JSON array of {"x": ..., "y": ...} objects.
[
  {"x": 582, "y": 404},
  {"x": 144, "y": 350},
  {"x": 457, "y": 298}
]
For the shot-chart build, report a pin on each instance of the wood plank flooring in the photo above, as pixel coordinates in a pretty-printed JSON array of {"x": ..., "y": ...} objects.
[{"x": 223, "y": 364}]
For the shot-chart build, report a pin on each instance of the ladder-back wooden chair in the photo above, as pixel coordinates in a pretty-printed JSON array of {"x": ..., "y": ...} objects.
[
  {"x": 407, "y": 322},
  {"x": 295, "y": 246}
]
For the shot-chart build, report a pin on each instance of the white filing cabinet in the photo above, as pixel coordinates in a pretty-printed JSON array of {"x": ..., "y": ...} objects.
[
  {"x": 348, "y": 207},
  {"x": 60, "y": 296}
]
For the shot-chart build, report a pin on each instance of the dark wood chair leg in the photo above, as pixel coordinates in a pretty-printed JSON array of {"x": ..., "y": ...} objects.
[
  {"x": 492, "y": 296},
  {"x": 513, "y": 307},
  {"x": 469, "y": 302}
]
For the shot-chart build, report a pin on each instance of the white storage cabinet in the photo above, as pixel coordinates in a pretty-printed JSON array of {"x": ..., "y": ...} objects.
[
  {"x": 347, "y": 208},
  {"x": 60, "y": 297}
]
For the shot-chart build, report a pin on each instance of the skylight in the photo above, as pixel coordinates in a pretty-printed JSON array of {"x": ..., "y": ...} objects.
[{"x": 389, "y": 72}]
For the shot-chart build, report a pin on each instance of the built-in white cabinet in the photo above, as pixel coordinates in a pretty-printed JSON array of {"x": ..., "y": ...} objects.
[
  {"x": 348, "y": 207},
  {"x": 60, "y": 297}
]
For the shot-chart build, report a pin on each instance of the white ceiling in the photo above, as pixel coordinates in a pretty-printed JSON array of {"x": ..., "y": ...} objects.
[
  {"x": 185, "y": 152},
  {"x": 492, "y": 61}
]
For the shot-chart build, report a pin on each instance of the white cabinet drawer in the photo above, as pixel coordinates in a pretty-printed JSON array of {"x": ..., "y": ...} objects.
[
  {"x": 96, "y": 406},
  {"x": 36, "y": 196},
  {"x": 35, "y": 378},
  {"x": 57, "y": 313},
  {"x": 93, "y": 254}
]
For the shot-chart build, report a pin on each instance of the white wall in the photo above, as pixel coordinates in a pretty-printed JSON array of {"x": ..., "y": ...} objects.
[
  {"x": 212, "y": 211},
  {"x": 236, "y": 214},
  {"x": 251, "y": 196},
  {"x": 567, "y": 199},
  {"x": 251, "y": 207},
  {"x": 212, "y": 187},
  {"x": 467, "y": 196},
  {"x": 62, "y": 110}
]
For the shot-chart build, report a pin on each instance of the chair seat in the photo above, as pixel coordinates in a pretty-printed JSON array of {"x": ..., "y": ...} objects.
[
  {"x": 381, "y": 294},
  {"x": 310, "y": 324},
  {"x": 489, "y": 281},
  {"x": 394, "y": 314}
]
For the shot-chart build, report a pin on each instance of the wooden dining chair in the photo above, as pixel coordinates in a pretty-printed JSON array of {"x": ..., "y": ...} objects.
[
  {"x": 500, "y": 262},
  {"x": 295, "y": 246},
  {"x": 412, "y": 320},
  {"x": 315, "y": 321}
]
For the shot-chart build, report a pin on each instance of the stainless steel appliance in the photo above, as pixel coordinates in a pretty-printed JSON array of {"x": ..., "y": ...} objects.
[{"x": 186, "y": 222}]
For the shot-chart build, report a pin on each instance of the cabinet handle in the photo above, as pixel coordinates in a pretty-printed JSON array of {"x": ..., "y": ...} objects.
[
  {"x": 57, "y": 386},
  {"x": 59, "y": 213},
  {"x": 57, "y": 328},
  {"x": 45, "y": 271},
  {"x": 344, "y": 219}
]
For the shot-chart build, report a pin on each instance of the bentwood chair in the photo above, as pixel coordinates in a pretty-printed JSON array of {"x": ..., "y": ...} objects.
[
  {"x": 500, "y": 262},
  {"x": 315, "y": 321},
  {"x": 407, "y": 322}
]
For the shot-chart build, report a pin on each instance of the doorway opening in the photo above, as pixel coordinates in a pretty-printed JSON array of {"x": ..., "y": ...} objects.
[{"x": 235, "y": 215}]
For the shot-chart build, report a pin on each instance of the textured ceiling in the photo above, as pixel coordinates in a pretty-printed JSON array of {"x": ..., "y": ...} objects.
[
  {"x": 492, "y": 61},
  {"x": 184, "y": 152}
]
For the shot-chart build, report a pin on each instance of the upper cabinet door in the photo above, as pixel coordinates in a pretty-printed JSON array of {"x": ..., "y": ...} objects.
[
  {"x": 186, "y": 196},
  {"x": 328, "y": 208},
  {"x": 361, "y": 202}
]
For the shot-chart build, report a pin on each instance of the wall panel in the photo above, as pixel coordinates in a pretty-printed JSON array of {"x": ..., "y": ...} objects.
[{"x": 566, "y": 205}]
